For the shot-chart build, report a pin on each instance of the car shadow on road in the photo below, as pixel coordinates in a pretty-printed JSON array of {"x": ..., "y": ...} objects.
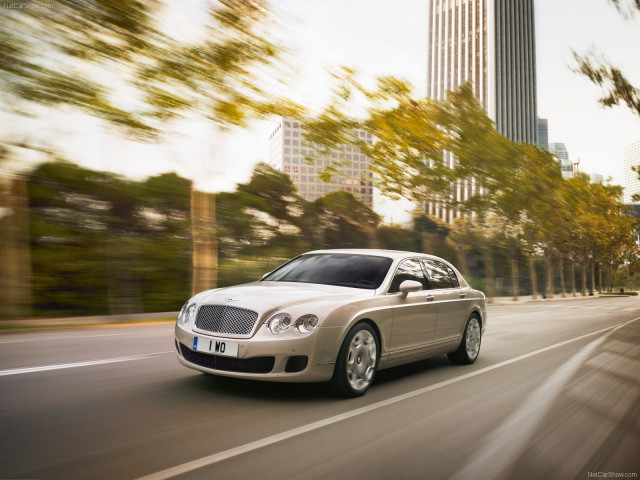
[
  {"x": 411, "y": 370},
  {"x": 265, "y": 391},
  {"x": 227, "y": 387}
]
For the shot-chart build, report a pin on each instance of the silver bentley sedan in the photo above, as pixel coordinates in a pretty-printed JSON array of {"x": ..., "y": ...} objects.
[{"x": 334, "y": 315}]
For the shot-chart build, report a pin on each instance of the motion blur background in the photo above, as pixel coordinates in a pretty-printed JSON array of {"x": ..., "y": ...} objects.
[{"x": 133, "y": 136}]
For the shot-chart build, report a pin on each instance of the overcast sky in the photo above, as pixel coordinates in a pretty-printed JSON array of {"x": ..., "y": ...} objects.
[{"x": 378, "y": 37}]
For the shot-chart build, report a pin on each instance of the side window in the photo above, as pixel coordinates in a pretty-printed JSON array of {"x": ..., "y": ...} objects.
[
  {"x": 408, "y": 270},
  {"x": 438, "y": 274},
  {"x": 454, "y": 277}
]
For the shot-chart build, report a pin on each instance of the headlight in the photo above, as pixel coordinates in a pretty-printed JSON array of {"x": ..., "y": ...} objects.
[
  {"x": 279, "y": 323},
  {"x": 306, "y": 323},
  {"x": 187, "y": 314}
]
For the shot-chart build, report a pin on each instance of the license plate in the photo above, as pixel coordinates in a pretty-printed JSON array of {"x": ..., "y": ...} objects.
[{"x": 217, "y": 347}]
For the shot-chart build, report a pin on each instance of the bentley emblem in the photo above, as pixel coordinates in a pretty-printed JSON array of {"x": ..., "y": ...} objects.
[{"x": 231, "y": 299}]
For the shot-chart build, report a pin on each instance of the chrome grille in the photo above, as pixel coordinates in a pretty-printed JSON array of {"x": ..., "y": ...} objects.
[{"x": 226, "y": 319}]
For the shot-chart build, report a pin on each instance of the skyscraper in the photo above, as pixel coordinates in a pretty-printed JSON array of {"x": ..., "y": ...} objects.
[
  {"x": 543, "y": 133},
  {"x": 490, "y": 43},
  {"x": 631, "y": 158}
]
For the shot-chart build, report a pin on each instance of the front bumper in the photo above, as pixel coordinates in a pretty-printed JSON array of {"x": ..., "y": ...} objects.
[{"x": 289, "y": 357}]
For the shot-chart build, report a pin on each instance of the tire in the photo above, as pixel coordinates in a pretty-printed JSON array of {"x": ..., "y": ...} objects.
[
  {"x": 357, "y": 361},
  {"x": 469, "y": 349}
]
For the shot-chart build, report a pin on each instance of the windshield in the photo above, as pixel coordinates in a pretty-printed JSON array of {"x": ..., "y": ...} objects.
[{"x": 340, "y": 269}]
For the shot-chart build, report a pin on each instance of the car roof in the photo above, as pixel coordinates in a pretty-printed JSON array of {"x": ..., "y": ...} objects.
[{"x": 394, "y": 254}]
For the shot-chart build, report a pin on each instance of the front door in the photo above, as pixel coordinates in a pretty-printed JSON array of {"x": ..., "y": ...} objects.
[{"x": 414, "y": 315}]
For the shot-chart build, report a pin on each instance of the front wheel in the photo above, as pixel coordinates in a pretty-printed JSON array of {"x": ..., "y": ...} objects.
[
  {"x": 357, "y": 361},
  {"x": 469, "y": 348}
]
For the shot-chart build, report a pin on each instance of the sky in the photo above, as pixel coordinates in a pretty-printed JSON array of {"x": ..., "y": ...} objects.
[{"x": 376, "y": 40}]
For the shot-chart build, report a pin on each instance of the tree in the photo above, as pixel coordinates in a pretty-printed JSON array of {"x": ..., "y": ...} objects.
[{"x": 343, "y": 221}]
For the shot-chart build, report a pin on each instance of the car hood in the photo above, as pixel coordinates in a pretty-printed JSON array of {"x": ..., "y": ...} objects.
[{"x": 263, "y": 296}]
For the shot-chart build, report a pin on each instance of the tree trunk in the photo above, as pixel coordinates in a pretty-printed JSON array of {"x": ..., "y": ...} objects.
[
  {"x": 534, "y": 277},
  {"x": 488, "y": 271},
  {"x": 562, "y": 278},
  {"x": 573, "y": 278},
  {"x": 593, "y": 277},
  {"x": 548, "y": 267},
  {"x": 462, "y": 259},
  {"x": 583, "y": 268},
  {"x": 204, "y": 240},
  {"x": 599, "y": 277},
  {"x": 515, "y": 280},
  {"x": 15, "y": 253}
]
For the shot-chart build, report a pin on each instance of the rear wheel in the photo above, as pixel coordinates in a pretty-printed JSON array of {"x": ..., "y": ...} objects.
[
  {"x": 357, "y": 361},
  {"x": 469, "y": 348}
]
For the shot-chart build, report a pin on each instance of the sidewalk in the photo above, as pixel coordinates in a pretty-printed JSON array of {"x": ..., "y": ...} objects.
[
  {"x": 96, "y": 321},
  {"x": 556, "y": 297}
]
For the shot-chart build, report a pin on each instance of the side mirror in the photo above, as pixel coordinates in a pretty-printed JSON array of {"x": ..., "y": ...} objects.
[{"x": 409, "y": 286}]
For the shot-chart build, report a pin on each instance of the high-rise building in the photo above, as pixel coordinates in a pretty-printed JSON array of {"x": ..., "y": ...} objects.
[
  {"x": 560, "y": 151},
  {"x": 490, "y": 43},
  {"x": 288, "y": 150},
  {"x": 631, "y": 158},
  {"x": 596, "y": 178},
  {"x": 543, "y": 133}
]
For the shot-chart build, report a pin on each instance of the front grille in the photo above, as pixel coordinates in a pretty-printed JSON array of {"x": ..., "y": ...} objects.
[
  {"x": 226, "y": 319},
  {"x": 229, "y": 364},
  {"x": 296, "y": 364}
]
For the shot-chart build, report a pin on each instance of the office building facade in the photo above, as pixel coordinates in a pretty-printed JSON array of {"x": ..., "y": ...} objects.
[
  {"x": 288, "y": 150},
  {"x": 490, "y": 43},
  {"x": 543, "y": 133},
  {"x": 631, "y": 158},
  {"x": 560, "y": 151}
]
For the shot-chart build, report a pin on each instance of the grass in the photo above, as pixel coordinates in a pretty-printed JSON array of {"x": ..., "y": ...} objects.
[{"x": 631, "y": 294}]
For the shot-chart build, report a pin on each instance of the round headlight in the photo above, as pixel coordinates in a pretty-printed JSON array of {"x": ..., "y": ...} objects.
[
  {"x": 279, "y": 323},
  {"x": 187, "y": 315},
  {"x": 306, "y": 323},
  {"x": 182, "y": 313}
]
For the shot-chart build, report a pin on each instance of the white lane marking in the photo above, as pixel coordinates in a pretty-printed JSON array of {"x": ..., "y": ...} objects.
[
  {"x": 60, "y": 366},
  {"x": 279, "y": 437},
  {"x": 507, "y": 443}
]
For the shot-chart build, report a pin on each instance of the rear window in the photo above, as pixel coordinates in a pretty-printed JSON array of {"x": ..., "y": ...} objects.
[
  {"x": 340, "y": 269},
  {"x": 438, "y": 274}
]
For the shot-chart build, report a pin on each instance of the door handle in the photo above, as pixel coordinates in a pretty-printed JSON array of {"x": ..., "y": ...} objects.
[
  {"x": 462, "y": 295},
  {"x": 430, "y": 298}
]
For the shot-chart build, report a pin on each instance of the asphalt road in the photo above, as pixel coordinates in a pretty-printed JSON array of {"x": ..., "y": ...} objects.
[{"x": 554, "y": 394}]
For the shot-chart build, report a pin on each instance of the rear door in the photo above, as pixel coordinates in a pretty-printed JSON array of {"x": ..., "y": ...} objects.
[{"x": 451, "y": 299}]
